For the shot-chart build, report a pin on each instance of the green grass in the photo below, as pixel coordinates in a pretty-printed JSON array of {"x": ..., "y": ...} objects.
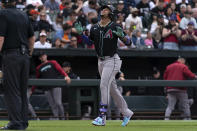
[{"x": 83, "y": 125}]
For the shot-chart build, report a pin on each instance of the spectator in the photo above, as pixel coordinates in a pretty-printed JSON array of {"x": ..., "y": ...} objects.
[
  {"x": 42, "y": 43},
  {"x": 68, "y": 9},
  {"x": 178, "y": 71},
  {"x": 133, "y": 20},
  {"x": 154, "y": 23},
  {"x": 57, "y": 25},
  {"x": 78, "y": 6},
  {"x": 58, "y": 43},
  {"x": 43, "y": 24},
  {"x": 143, "y": 7},
  {"x": 195, "y": 13},
  {"x": 137, "y": 40},
  {"x": 20, "y": 4},
  {"x": 120, "y": 20},
  {"x": 72, "y": 18},
  {"x": 193, "y": 3},
  {"x": 64, "y": 35},
  {"x": 153, "y": 3},
  {"x": 63, "y": 5},
  {"x": 159, "y": 9},
  {"x": 35, "y": 3},
  {"x": 129, "y": 3},
  {"x": 68, "y": 70},
  {"x": 149, "y": 41},
  {"x": 33, "y": 18},
  {"x": 169, "y": 12},
  {"x": 183, "y": 8},
  {"x": 91, "y": 7},
  {"x": 51, "y": 5},
  {"x": 189, "y": 38},
  {"x": 92, "y": 19},
  {"x": 157, "y": 33},
  {"x": 172, "y": 5},
  {"x": 170, "y": 35},
  {"x": 185, "y": 20},
  {"x": 121, "y": 9},
  {"x": 73, "y": 42},
  {"x": 144, "y": 12},
  {"x": 189, "y": 8},
  {"x": 183, "y": 2},
  {"x": 52, "y": 70},
  {"x": 46, "y": 12}
]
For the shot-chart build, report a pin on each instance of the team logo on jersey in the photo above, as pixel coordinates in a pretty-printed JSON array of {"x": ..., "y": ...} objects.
[{"x": 108, "y": 34}]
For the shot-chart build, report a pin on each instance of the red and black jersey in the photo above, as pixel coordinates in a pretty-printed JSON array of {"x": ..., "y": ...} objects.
[
  {"x": 177, "y": 71},
  {"x": 50, "y": 69}
]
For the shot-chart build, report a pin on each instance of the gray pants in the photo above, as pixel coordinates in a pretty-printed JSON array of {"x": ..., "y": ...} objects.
[
  {"x": 183, "y": 105},
  {"x": 108, "y": 68},
  {"x": 54, "y": 97},
  {"x": 31, "y": 109}
]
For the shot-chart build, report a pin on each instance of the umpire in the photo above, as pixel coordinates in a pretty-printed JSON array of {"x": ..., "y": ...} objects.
[{"x": 16, "y": 42}]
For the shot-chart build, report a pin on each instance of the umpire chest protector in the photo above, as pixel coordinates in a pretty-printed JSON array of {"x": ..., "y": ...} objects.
[{"x": 104, "y": 39}]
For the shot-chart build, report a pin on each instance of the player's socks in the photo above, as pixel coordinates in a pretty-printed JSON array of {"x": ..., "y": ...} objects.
[{"x": 101, "y": 119}]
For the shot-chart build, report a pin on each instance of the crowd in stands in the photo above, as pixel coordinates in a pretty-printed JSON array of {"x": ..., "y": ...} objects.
[{"x": 160, "y": 24}]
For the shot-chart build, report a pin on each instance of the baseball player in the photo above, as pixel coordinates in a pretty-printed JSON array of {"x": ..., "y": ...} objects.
[
  {"x": 104, "y": 35},
  {"x": 51, "y": 69},
  {"x": 178, "y": 71}
]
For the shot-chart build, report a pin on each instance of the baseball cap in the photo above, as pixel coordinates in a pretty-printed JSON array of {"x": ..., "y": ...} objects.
[
  {"x": 32, "y": 12},
  {"x": 106, "y": 6},
  {"x": 134, "y": 9},
  {"x": 41, "y": 53},
  {"x": 66, "y": 64},
  {"x": 183, "y": 5},
  {"x": 190, "y": 23},
  {"x": 121, "y": 2},
  {"x": 181, "y": 57},
  {"x": 43, "y": 34}
]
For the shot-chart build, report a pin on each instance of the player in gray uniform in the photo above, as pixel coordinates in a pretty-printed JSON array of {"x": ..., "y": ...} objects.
[{"x": 104, "y": 35}]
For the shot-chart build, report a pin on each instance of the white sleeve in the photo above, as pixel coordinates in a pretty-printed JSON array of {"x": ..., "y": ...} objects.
[
  {"x": 128, "y": 22},
  {"x": 152, "y": 5}
]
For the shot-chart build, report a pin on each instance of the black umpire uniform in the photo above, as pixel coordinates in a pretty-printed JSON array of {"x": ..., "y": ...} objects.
[{"x": 15, "y": 34}]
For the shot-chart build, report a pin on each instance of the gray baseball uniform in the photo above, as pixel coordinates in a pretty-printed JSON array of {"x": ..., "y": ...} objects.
[
  {"x": 54, "y": 97},
  {"x": 108, "y": 68},
  {"x": 109, "y": 63},
  {"x": 182, "y": 97}
]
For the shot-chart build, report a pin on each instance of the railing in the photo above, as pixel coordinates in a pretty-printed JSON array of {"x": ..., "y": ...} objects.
[{"x": 96, "y": 82}]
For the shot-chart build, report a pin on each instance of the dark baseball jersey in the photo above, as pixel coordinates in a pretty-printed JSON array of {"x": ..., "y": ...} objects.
[
  {"x": 104, "y": 39},
  {"x": 50, "y": 69}
]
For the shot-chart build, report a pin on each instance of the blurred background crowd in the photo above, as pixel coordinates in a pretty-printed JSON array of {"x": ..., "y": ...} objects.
[{"x": 160, "y": 24}]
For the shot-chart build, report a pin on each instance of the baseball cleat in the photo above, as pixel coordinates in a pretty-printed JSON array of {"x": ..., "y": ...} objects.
[
  {"x": 126, "y": 120},
  {"x": 98, "y": 122}
]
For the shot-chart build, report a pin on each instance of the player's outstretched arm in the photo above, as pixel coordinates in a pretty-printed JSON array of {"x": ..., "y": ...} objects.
[{"x": 123, "y": 37}]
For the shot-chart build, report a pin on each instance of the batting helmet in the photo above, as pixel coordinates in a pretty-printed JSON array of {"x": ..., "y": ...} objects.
[{"x": 111, "y": 14}]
